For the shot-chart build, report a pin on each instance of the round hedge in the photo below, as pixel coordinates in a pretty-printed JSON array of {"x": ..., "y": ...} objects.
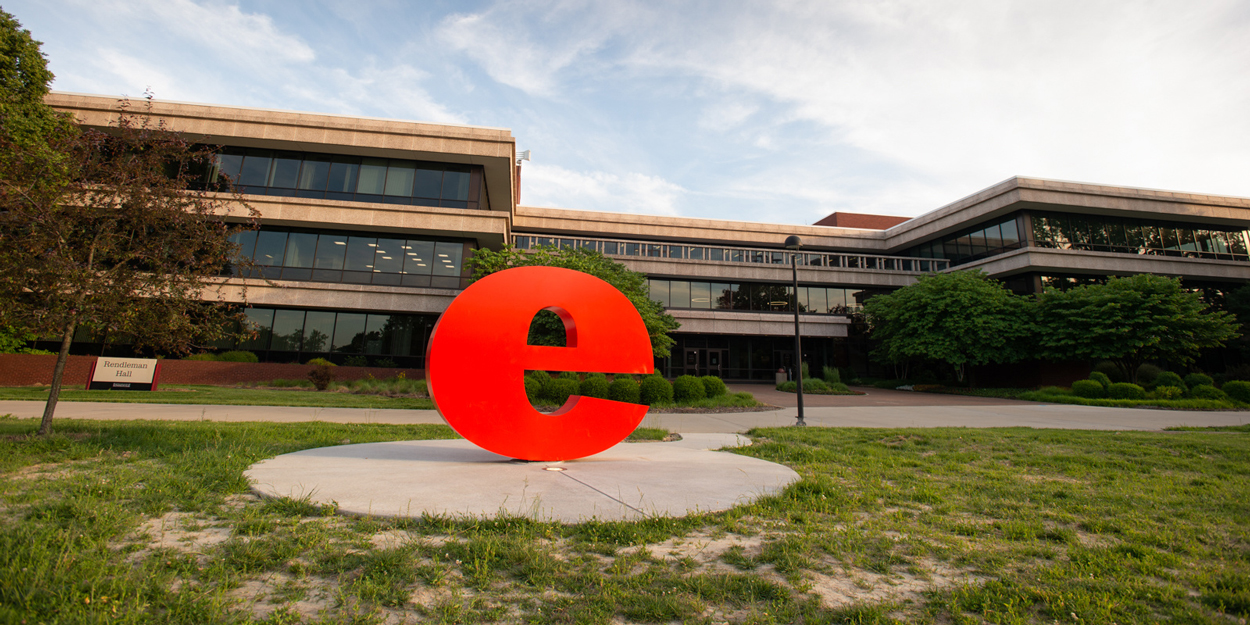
[
  {"x": 1124, "y": 390},
  {"x": 688, "y": 388},
  {"x": 1167, "y": 378},
  {"x": 654, "y": 390},
  {"x": 1198, "y": 379},
  {"x": 569, "y": 375},
  {"x": 1238, "y": 390},
  {"x": 1147, "y": 373},
  {"x": 238, "y": 356},
  {"x": 814, "y": 385},
  {"x": 1207, "y": 391},
  {"x": 559, "y": 390},
  {"x": 713, "y": 386},
  {"x": 533, "y": 388},
  {"x": 1168, "y": 392},
  {"x": 1089, "y": 389},
  {"x": 789, "y": 386},
  {"x": 596, "y": 387},
  {"x": 1100, "y": 378},
  {"x": 623, "y": 388}
]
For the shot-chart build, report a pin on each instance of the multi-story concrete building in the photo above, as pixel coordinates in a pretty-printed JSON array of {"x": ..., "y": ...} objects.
[{"x": 366, "y": 224}]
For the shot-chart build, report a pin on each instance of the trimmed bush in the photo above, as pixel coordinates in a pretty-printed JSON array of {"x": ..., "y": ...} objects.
[
  {"x": 1168, "y": 392},
  {"x": 560, "y": 389},
  {"x": 596, "y": 387},
  {"x": 713, "y": 386},
  {"x": 1238, "y": 390},
  {"x": 840, "y": 388},
  {"x": 1207, "y": 391},
  {"x": 1146, "y": 375},
  {"x": 654, "y": 390},
  {"x": 204, "y": 357},
  {"x": 1124, "y": 390},
  {"x": 688, "y": 388},
  {"x": 815, "y": 385},
  {"x": 355, "y": 361},
  {"x": 1090, "y": 389},
  {"x": 788, "y": 387},
  {"x": 831, "y": 375},
  {"x": 569, "y": 375},
  {"x": 1100, "y": 378},
  {"x": 321, "y": 362},
  {"x": 238, "y": 356},
  {"x": 1167, "y": 378},
  {"x": 1198, "y": 379},
  {"x": 533, "y": 389},
  {"x": 321, "y": 376},
  {"x": 623, "y": 388},
  {"x": 1109, "y": 369},
  {"x": 601, "y": 376}
]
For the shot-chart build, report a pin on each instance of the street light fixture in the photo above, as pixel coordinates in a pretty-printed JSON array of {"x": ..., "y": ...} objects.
[{"x": 793, "y": 242}]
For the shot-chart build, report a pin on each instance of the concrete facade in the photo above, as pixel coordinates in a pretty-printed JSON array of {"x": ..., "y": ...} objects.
[{"x": 845, "y": 261}]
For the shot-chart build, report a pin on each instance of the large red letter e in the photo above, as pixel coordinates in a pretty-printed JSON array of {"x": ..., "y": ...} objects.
[{"x": 478, "y": 356}]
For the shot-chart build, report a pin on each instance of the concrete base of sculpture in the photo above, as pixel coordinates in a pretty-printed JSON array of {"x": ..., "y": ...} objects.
[{"x": 456, "y": 478}]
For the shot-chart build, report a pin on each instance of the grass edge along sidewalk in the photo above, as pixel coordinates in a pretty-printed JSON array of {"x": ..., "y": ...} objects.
[{"x": 151, "y": 522}]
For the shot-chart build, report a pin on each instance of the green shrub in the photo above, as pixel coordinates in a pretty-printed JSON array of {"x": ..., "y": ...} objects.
[
  {"x": 1090, "y": 389},
  {"x": 687, "y": 388},
  {"x": 1100, "y": 378},
  {"x": 593, "y": 386},
  {"x": 1146, "y": 374},
  {"x": 533, "y": 389},
  {"x": 321, "y": 376},
  {"x": 1124, "y": 390},
  {"x": 1168, "y": 392},
  {"x": 1198, "y": 379},
  {"x": 806, "y": 371},
  {"x": 569, "y": 375},
  {"x": 238, "y": 356},
  {"x": 1167, "y": 378},
  {"x": 1111, "y": 370},
  {"x": 1207, "y": 391},
  {"x": 321, "y": 362},
  {"x": 789, "y": 386},
  {"x": 713, "y": 386},
  {"x": 815, "y": 385},
  {"x": 385, "y": 363},
  {"x": 560, "y": 389},
  {"x": 623, "y": 388},
  {"x": 601, "y": 376},
  {"x": 355, "y": 361},
  {"x": 1238, "y": 390},
  {"x": 831, "y": 375},
  {"x": 655, "y": 390},
  {"x": 839, "y": 388},
  {"x": 204, "y": 357},
  {"x": 1240, "y": 372}
]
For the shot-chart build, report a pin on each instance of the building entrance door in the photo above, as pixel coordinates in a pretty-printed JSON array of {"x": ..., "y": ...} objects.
[
  {"x": 702, "y": 361},
  {"x": 785, "y": 360}
]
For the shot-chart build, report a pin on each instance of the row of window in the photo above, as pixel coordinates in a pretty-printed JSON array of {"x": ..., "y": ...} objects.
[
  {"x": 316, "y": 332},
  {"x": 731, "y": 255},
  {"x": 357, "y": 258},
  {"x": 1136, "y": 236},
  {"x": 351, "y": 178},
  {"x": 973, "y": 244},
  {"x": 756, "y": 296}
]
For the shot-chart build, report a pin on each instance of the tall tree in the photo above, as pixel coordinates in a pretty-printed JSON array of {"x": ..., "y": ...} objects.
[
  {"x": 960, "y": 318},
  {"x": 98, "y": 231},
  {"x": 1130, "y": 321},
  {"x": 547, "y": 328}
]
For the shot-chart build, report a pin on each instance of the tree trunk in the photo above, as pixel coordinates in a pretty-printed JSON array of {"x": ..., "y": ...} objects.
[{"x": 45, "y": 427}]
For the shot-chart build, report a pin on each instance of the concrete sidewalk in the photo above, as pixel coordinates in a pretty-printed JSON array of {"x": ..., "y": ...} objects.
[{"x": 977, "y": 415}]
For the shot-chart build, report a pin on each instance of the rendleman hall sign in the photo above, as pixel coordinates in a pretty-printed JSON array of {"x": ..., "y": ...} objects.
[{"x": 478, "y": 356}]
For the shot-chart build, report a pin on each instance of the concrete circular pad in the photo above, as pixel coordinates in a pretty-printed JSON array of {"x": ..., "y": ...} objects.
[{"x": 457, "y": 478}]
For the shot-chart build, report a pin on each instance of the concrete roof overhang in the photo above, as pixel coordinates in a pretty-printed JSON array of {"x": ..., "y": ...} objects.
[{"x": 1080, "y": 262}]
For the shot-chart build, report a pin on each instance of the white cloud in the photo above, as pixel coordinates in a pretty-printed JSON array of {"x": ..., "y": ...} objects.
[{"x": 629, "y": 192}]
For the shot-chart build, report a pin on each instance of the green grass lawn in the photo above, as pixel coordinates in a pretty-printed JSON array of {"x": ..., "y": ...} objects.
[
  {"x": 145, "y": 522},
  {"x": 228, "y": 396}
]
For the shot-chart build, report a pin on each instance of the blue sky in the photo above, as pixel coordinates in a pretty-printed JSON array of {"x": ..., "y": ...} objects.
[{"x": 758, "y": 111}]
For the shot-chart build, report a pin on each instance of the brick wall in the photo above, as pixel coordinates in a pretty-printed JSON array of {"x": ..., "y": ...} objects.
[{"x": 26, "y": 370}]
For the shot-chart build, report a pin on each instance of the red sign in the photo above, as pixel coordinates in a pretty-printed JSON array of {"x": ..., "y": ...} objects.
[{"x": 478, "y": 356}]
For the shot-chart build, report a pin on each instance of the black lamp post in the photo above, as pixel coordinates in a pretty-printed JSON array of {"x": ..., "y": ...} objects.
[{"x": 793, "y": 242}]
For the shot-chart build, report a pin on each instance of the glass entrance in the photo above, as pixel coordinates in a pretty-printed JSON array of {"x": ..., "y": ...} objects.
[{"x": 702, "y": 361}]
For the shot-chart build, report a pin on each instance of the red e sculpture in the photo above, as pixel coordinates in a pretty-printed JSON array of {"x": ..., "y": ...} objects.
[{"x": 478, "y": 355}]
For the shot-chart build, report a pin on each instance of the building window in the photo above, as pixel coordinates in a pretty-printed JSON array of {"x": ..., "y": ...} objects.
[{"x": 1136, "y": 236}]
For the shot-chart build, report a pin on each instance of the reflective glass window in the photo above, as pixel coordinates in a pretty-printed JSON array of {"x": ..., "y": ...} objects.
[
  {"x": 993, "y": 237},
  {"x": 803, "y": 304},
  {"x": 419, "y": 258},
  {"x": 1237, "y": 242},
  {"x": 976, "y": 242},
  {"x": 288, "y": 329},
  {"x": 736, "y": 256},
  {"x": 674, "y": 251},
  {"x": 779, "y": 258},
  {"x": 836, "y": 300},
  {"x": 447, "y": 258},
  {"x": 349, "y": 330},
  {"x": 722, "y": 295},
  {"x": 360, "y": 252},
  {"x": 318, "y": 328},
  {"x": 700, "y": 295},
  {"x": 1009, "y": 232},
  {"x": 399, "y": 178},
  {"x": 300, "y": 248},
  {"x": 1116, "y": 236},
  {"x": 389, "y": 256},
  {"x": 456, "y": 184},
  {"x": 315, "y": 173},
  {"x": 633, "y": 249},
  {"x": 1097, "y": 232},
  {"x": 949, "y": 249},
  {"x": 285, "y": 172},
  {"x": 374, "y": 327},
  {"x": 659, "y": 292},
  {"x": 372, "y": 176},
  {"x": 569, "y": 243},
  {"x": 818, "y": 299},
  {"x": 1186, "y": 238},
  {"x": 1170, "y": 241},
  {"x": 694, "y": 253},
  {"x": 270, "y": 247},
  {"x": 259, "y": 321},
  {"x": 246, "y": 240},
  {"x": 429, "y": 183},
  {"x": 716, "y": 254},
  {"x": 343, "y": 172},
  {"x": 255, "y": 170},
  {"x": 330, "y": 251},
  {"x": 228, "y": 164},
  {"x": 679, "y": 294},
  {"x": 611, "y": 247},
  {"x": 655, "y": 250}
]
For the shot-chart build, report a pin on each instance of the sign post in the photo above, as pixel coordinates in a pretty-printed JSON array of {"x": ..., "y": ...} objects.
[{"x": 124, "y": 374}]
